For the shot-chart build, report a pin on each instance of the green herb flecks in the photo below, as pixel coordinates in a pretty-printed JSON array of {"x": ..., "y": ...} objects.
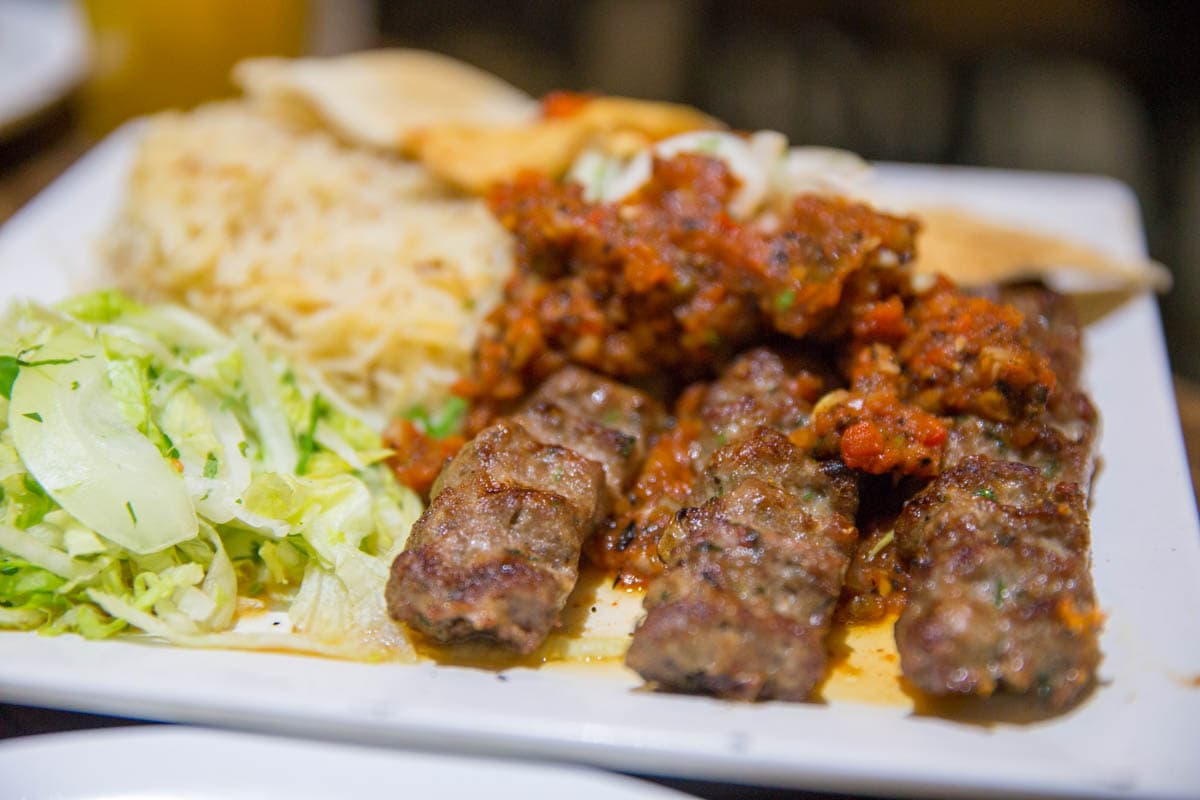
[
  {"x": 10, "y": 366},
  {"x": 308, "y": 441},
  {"x": 444, "y": 422}
]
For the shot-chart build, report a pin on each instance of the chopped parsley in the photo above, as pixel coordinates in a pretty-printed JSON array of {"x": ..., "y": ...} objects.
[
  {"x": 446, "y": 421},
  {"x": 308, "y": 441},
  {"x": 11, "y": 365}
]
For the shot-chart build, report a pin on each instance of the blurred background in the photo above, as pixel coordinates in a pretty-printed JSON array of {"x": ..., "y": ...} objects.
[{"x": 1097, "y": 86}]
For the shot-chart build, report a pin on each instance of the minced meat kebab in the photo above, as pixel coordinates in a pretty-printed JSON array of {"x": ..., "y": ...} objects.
[{"x": 846, "y": 441}]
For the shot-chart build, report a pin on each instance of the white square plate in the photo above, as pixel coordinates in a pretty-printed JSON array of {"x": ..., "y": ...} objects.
[{"x": 1137, "y": 735}]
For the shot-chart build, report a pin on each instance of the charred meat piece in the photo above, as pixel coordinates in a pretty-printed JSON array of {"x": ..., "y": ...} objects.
[
  {"x": 752, "y": 576},
  {"x": 612, "y": 404},
  {"x": 497, "y": 552},
  {"x": 774, "y": 387},
  {"x": 507, "y": 455},
  {"x": 614, "y": 451},
  {"x": 763, "y": 386},
  {"x": 628, "y": 544},
  {"x": 1061, "y": 450},
  {"x": 876, "y": 582},
  {"x": 495, "y": 564},
  {"x": 598, "y": 418},
  {"x": 768, "y": 455},
  {"x": 1000, "y": 594}
]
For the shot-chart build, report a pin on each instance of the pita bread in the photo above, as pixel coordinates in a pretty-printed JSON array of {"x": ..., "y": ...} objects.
[
  {"x": 475, "y": 157},
  {"x": 378, "y": 98},
  {"x": 973, "y": 251}
]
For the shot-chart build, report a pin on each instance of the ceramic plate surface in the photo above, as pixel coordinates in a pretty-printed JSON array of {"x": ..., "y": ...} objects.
[{"x": 168, "y": 762}]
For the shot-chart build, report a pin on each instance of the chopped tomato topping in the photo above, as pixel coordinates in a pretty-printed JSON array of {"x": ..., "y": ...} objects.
[
  {"x": 563, "y": 104},
  {"x": 418, "y": 457}
]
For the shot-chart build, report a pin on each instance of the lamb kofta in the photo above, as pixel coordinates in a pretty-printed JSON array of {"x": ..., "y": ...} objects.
[{"x": 846, "y": 440}]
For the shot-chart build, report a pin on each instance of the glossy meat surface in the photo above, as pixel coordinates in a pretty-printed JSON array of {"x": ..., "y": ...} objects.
[
  {"x": 774, "y": 387},
  {"x": 497, "y": 552},
  {"x": 752, "y": 576},
  {"x": 1000, "y": 593},
  {"x": 763, "y": 386},
  {"x": 1060, "y": 451},
  {"x": 506, "y": 454},
  {"x": 488, "y": 563},
  {"x": 598, "y": 418}
]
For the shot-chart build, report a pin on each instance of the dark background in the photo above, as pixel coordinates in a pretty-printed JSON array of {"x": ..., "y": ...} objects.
[{"x": 1094, "y": 86}]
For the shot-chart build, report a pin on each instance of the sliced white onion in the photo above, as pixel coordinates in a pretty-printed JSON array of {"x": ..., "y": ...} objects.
[{"x": 71, "y": 435}]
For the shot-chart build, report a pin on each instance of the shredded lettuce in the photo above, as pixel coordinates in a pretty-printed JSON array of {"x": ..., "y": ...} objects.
[
  {"x": 71, "y": 426},
  {"x": 160, "y": 478}
]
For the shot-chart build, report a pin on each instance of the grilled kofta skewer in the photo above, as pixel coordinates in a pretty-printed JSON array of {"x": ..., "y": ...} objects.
[
  {"x": 754, "y": 563},
  {"x": 763, "y": 386},
  {"x": 495, "y": 555},
  {"x": 1059, "y": 441},
  {"x": 752, "y": 576},
  {"x": 497, "y": 552},
  {"x": 1000, "y": 592}
]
